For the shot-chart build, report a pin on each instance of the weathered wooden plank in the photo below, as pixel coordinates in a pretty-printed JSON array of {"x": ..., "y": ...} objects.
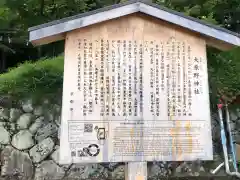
[
  {"x": 82, "y": 22},
  {"x": 190, "y": 24},
  {"x": 49, "y": 39},
  {"x": 136, "y": 171},
  {"x": 155, "y": 36}
]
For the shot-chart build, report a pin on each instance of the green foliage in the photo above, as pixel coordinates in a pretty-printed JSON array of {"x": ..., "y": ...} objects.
[
  {"x": 35, "y": 12},
  {"x": 224, "y": 74},
  {"x": 6, "y": 16},
  {"x": 31, "y": 78},
  {"x": 37, "y": 80},
  {"x": 223, "y": 12}
]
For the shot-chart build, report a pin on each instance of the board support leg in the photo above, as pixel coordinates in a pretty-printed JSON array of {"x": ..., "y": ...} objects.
[{"x": 136, "y": 171}]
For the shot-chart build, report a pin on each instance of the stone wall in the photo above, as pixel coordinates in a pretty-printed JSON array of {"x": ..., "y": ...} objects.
[{"x": 29, "y": 146}]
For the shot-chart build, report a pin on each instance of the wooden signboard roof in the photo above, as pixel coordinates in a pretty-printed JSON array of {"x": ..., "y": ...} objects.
[{"x": 55, "y": 30}]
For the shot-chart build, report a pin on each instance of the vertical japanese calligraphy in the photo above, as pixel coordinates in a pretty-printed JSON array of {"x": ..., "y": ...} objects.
[
  {"x": 130, "y": 76},
  {"x": 79, "y": 75},
  {"x": 113, "y": 85},
  {"x": 168, "y": 74},
  {"x": 90, "y": 79},
  {"x": 85, "y": 78},
  {"x": 136, "y": 80},
  {"x": 96, "y": 71},
  {"x": 102, "y": 80},
  {"x": 179, "y": 80},
  {"x": 184, "y": 79},
  {"x": 107, "y": 80},
  {"x": 152, "y": 77},
  {"x": 124, "y": 76},
  {"x": 173, "y": 76},
  {"x": 122, "y": 81},
  {"x": 189, "y": 71},
  {"x": 113, "y": 77},
  {"x": 157, "y": 79},
  {"x": 141, "y": 49},
  {"x": 119, "y": 77},
  {"x": 135, "y": 90},
  {"x": 196, "y": 76}
]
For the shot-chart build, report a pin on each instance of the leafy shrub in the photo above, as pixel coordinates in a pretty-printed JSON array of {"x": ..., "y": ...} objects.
[
  {"x": 224, "y": 74},
  {"x": 42, "y": 79}
]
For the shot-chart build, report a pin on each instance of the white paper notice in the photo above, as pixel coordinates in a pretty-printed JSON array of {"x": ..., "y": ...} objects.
[{"x": 135, "y": 101}]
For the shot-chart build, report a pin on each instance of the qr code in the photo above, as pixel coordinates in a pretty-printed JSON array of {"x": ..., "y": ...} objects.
[{"x": 88, "y": 128}]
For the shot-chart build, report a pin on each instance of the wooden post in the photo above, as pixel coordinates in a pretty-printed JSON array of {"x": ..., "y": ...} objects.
[{"x": 136, "y": 171}]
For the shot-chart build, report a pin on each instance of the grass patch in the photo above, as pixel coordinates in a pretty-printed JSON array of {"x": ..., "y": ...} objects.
[{"x": 38, "y": 80}]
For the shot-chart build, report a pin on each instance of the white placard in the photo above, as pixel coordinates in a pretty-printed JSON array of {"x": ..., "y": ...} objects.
[{"x": 132, "y": 100}]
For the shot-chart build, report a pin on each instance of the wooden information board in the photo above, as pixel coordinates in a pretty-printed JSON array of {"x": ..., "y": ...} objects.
[{"x": 135, "y": 89}]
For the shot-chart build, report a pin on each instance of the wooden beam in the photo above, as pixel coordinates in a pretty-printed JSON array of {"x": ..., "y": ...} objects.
[
  {"x": 192, "y": 24},
  {"x": 136, "y": 171},
  {"x": 219, "y": 44},
  {"x": 60, "y": 28},
  {"x": 48, "y": 40}
]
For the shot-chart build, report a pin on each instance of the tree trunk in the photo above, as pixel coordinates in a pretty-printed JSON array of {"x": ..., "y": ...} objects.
[
  {"x": 42, "y": 7},
  {"x": 2, "y": 62},
  {"x": 54, "y": 9},
  {"x": 39, "y": 49}
]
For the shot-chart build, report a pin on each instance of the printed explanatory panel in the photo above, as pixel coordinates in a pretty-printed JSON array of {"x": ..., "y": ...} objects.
[{"x": 131, "y": 95}]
